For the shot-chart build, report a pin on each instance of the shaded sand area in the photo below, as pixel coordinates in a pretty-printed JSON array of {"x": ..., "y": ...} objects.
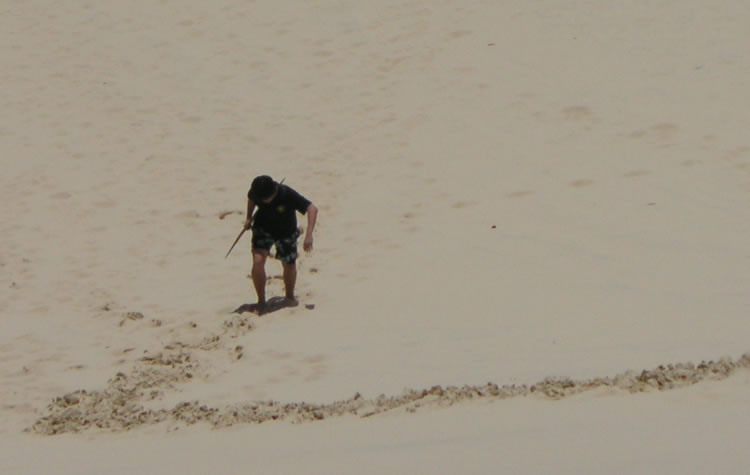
[{"x": 551, "y": 197}]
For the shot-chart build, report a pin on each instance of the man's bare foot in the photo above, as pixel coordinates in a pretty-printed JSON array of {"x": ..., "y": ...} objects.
[
  {"x": 260, "y": 308},
  {"x": 290, "y": 301}
]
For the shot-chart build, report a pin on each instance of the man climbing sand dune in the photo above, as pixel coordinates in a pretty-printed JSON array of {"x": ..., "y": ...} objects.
[{"x": 275, "y": 224}]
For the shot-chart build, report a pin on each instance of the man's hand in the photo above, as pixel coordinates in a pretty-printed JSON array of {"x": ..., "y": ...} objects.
[
  {"x": 307, "y": 245},
  {"x": 247, "y": 225}
]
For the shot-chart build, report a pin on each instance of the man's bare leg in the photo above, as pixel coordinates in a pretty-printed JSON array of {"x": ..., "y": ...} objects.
[
  {"x": 259, "y": 276},
  {"x": 290, "y": 278}
]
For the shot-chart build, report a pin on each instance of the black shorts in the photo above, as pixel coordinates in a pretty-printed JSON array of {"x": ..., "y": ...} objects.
[{"x": 286, "y": 248}]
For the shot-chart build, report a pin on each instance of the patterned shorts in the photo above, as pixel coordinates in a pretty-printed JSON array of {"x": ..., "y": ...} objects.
[{"x": 286, "y": 248}]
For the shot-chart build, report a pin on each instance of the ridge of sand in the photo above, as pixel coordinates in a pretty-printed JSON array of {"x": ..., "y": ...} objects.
[{"x": 124, "y": 403}]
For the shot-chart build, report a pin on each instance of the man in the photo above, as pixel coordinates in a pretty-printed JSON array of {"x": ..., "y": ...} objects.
[{"x": 275, "y": 223}]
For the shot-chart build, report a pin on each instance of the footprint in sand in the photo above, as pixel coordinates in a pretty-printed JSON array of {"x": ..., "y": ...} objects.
[
  {"x": 736, "y": 153},
  {"x": 581, "y": 183},
  {"x": 662, "y": 132},
  {"x": 690, "y": 163},
  {"x": 519, "y": 194},
  {"x": 577, "y": 113},
  {"x": 224, "y": 214}
]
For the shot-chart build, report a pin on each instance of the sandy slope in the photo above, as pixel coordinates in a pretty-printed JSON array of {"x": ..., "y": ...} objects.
[
  {"x": 509, "y": 191},
  {"x": 696, "y": 430}
]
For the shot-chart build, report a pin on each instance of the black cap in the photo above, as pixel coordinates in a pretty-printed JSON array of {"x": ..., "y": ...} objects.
[{"x": 262, "y": 188}]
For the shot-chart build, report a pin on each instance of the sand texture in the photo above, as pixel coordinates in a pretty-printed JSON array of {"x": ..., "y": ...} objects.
[
  {"x": 532, "y": 253},
  {"x": 120, "y": 406}
]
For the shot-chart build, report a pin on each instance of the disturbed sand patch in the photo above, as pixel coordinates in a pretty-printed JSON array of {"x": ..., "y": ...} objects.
[{"x": 120, "y": 406}]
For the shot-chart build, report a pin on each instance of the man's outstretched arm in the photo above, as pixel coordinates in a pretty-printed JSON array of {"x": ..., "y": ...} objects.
[{"x": 312, "y": 217}]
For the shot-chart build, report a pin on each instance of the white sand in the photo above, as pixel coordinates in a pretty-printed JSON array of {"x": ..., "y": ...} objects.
[{"x": 509, "y": 191}]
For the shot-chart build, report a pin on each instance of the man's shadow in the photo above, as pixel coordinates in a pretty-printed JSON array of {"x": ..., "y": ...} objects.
[{"x": 272, "y": 305}]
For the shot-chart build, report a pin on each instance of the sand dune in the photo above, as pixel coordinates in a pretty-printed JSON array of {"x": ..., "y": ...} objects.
[{"x": 548, "y": 195}]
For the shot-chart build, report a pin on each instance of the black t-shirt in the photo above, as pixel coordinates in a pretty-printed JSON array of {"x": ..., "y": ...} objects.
[{"x": 278, "y": 217}]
